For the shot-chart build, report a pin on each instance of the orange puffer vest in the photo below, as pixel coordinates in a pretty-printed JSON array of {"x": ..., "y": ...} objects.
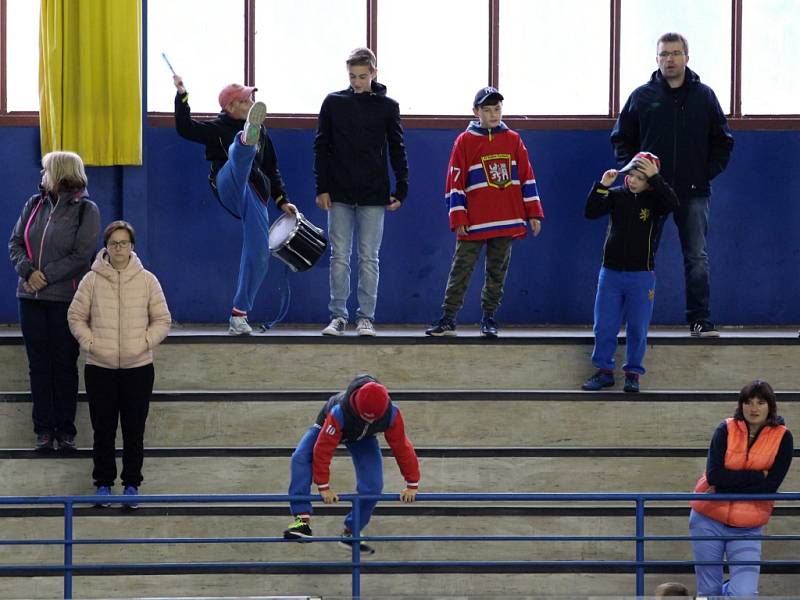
[{"x": 760, "y": 457}]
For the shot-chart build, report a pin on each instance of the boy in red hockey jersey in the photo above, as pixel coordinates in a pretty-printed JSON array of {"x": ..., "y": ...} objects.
[{"x": 492, "y": 197}]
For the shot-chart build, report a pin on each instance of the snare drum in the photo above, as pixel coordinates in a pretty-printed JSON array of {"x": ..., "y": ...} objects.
[{"x": 296, "y": 241}]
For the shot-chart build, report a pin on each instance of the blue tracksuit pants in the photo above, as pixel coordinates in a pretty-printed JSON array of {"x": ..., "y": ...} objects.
[
  {"x": 622, "y": 297},
  {"x": 743, "y": 579},
  {"x": 368, "y": 463},
  {"x": 238, "y": 196}
]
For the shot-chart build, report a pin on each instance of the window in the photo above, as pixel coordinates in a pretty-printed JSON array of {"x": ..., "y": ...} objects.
[
  {"x": 204, "y": 41},
  {"x": 543, "y": 71},
  {"x": 642, "y": 23},
  {"x": 301, "y": 49},
  {"x": 22, "y": 60},
  {"x": 433, "y": 55},
  {"x": 771, "y": 57}
]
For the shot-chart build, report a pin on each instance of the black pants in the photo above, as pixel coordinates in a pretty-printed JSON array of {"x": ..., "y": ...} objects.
[
  {"x": 52, "y": 364},
  {"x": 118, "y": 396}
]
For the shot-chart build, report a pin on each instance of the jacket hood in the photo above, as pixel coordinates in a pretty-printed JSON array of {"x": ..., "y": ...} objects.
[
  {"x": 71, "y": 196},
  {"x": 102, "y": 266},
  {"x": 377, "y": 88},
  {"x": 475, "y": 127},
  {"x": 691, "y": 77}
]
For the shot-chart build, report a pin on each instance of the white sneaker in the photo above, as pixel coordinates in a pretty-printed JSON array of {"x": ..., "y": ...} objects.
[
  {"x": 365, "y": 327},
  {"x": 335, "y": 327},
  {"x": 239, "y": 326},
  {"x": 252, "y": 127}
]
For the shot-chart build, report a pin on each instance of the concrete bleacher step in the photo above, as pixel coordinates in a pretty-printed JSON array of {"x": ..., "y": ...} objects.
[
  {"x": 406, "y": 359},
  {"x": 245, "y": 474},
  {"x": 460, "y": 418}
]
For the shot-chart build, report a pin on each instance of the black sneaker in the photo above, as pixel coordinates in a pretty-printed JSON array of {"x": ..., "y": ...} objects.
[
  {"x": 347, "y": 542},
  {"x": 703, "y": 328},
  {"x": 299, "y": 531},
  {"x": 443, "y": 327},
  {"x": 44, "y": 442},
  {"x": 488, "y": 327},
  {"x": 631, "y": 383},
  {"x": 66, "y": 442}
]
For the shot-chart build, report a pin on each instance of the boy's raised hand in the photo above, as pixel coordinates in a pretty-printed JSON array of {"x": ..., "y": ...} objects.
[
  {"x": 646, "y": 166},
  {"x": 178, "y": 81},
  {"x": 609, "y": 177}
]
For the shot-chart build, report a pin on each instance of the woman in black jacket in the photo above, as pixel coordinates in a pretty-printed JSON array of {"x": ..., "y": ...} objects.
[{"x": 51, "y": 248}]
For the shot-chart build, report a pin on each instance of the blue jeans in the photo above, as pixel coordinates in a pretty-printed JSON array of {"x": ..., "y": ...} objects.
[
  {"x": 691, "y": 218},
  {"x": 52, "y": 364},
  {"x": 622, "y": 296},
  {"x": 238, "y": 196},
  {"x": 368, "y": 463},
  {"x": 343, "y": 219},
  {"x": 743, "y": 579}
]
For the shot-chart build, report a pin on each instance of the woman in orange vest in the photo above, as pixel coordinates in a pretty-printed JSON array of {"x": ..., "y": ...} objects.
[{"x": 749, "y": 454}]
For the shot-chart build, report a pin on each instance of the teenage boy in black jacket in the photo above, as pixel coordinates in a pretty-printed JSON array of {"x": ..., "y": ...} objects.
[
  {"x": 352, "y": 179},
  {"x": 627, "y": 281},
  {"x": 680, "y": 119},
  {"x": 244, "y": 174}
]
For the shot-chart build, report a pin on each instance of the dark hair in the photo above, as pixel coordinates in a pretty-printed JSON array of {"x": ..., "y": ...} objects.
[
  {"x": 758, "y": 389},
  {"x": 674, "y": 37},
  {"x": 115, "y": 226},
  {"x": 672, "y": 588}
]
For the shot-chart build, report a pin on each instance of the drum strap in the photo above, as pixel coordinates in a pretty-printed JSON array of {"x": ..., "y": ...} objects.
[{"x": 286, "y": 299}]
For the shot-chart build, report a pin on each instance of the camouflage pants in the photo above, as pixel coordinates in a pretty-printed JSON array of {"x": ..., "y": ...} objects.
[{"x": 498, "y": 257}]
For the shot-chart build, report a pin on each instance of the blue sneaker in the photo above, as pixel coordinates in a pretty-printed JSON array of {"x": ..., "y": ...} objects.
[
  {"x": 598, "y": 381},
  {"x": 103, "y": 490},
  {"x": 631, "y": 382},
  {"x": 488, "y": 326},
  {"x": 445, "y": 326},
  {"x": 130, "y": 490}
]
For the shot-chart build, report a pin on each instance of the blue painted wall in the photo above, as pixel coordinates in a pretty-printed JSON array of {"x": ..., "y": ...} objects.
[{"x": 193, "y": 245}]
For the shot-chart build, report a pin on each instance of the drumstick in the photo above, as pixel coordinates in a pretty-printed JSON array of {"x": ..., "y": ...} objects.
[{"x": 166, "y": 60}]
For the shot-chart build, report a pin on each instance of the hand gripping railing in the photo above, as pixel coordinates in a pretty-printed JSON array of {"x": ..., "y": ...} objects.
[{"x": 355, "y": 565}]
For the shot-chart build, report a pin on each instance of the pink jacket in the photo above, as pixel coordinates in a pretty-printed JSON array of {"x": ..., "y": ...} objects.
[{"x": 118, "y": 317}]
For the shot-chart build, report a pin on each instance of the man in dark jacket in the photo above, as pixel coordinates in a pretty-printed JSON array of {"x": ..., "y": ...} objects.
[
  {"x": 352, "y": 179},
  {"x": 352, "y": 417},
  {"x": 680, "y": 120},
  {"x": 244, "y": 174}
]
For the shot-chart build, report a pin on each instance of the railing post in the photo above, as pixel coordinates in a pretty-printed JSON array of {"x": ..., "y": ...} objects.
[
  {"x": 639, "y": 546},
  {"x": 356, "y": 548},
  {"x": 68, "y": 550}
]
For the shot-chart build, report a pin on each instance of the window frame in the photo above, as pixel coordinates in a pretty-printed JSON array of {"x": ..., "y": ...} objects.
[{"x": 540, "y": 122}]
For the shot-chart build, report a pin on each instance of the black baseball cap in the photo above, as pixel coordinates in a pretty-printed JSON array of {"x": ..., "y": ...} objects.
[{"x": 486, "y": 94}]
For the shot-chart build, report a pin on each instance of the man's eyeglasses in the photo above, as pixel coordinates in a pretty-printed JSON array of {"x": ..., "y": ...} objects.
[
  {"x": 119, "y": 244},
  {"x": 674, "y": 53}
]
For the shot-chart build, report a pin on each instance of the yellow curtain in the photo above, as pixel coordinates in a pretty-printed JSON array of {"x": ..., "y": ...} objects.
[{"x": 90, "y": 79}]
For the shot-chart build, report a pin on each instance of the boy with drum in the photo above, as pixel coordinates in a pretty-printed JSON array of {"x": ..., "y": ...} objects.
[
  {"x": 352, "y": 179},
  {"x": 244, "y": 174}
]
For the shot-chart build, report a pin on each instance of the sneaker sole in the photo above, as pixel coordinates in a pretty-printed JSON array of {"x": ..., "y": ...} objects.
[
  {"x": 488, "y": 335},
  {"x": 349, "y": 548},
  {"x": 367, "y": 333},
  {"x": 332, "y": 333},
  {"x": 252, "y": 126},
  {"x": 297, "y": 537},
  {"x": 443, "y": 334},
  {"x": 238, "y": 333}
]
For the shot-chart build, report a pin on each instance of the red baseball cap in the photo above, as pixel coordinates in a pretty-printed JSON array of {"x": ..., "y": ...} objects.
[
  {"x": 234, "y": 91},
  {"x": 371, "y": 400},
  {"x": 633, "y": 164}
]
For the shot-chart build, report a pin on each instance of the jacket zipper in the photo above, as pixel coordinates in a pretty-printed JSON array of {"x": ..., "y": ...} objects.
[
  {"x": 119, "y": 319},
  {"x": 363, "y": 433},
  {"x": 44, "y": 234}
]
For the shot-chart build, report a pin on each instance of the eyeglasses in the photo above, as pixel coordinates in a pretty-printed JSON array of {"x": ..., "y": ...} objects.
[
  {"x": 119, "y": 244},
  {"x": 674, "y": 54}
]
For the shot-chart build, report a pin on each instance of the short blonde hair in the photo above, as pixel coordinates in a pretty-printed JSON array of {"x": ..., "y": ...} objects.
[
  {"x": 362, "y": 57},
  {"x": 65, "y": 171}
]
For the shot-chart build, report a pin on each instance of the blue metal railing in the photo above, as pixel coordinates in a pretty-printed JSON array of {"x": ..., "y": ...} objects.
[{"x": 355, "y": 566}]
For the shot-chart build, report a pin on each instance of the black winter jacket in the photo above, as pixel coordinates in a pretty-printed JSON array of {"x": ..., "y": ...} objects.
[
  {"x": 685, "y": 127},
  {"x": 636, "y": 221},
  {"x": 353, "y": 133},
  {"x": 217, "y": 135}
]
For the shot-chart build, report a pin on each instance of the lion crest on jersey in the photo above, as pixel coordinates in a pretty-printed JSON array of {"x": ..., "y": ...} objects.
[{"x": 497, "y": 168}]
